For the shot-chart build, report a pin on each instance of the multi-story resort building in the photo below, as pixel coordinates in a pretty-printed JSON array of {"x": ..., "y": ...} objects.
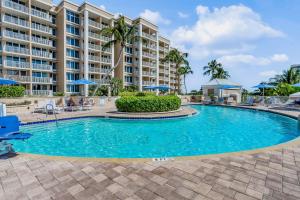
[{"x": 46, "y": 47}]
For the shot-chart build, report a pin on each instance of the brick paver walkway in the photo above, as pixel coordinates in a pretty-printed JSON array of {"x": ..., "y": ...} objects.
[
  {"x": 273, "y": 174},
  {"x": 269, "y": 175}
]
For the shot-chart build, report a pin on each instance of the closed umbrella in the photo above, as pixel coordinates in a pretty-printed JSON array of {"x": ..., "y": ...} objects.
[{"x": 4, "y": 81}]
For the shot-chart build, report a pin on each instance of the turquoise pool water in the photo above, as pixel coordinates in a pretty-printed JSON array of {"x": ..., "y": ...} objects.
[{"x": 213, "y": 130}]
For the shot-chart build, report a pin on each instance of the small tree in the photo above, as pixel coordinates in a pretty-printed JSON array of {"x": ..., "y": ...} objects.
[{"x": 116, "y": 86}]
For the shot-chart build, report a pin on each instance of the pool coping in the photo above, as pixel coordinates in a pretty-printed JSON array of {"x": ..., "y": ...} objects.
[{"x": 294, "y": 142}]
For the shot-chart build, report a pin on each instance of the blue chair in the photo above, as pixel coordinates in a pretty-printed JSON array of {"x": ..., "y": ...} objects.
[{"x": 9, "y": 129}]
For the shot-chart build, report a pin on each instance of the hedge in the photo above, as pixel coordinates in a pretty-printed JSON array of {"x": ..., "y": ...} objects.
[
  {"x": 125, "y": 94},
  {"x": 12, "y": 91},
  {"x": 148, "y": 103}
]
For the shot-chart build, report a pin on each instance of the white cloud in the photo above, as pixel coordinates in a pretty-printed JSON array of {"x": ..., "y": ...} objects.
[
  {"x": 248, "y": 59},
  {"x": 102, "y": 7},
  {"x": 268, "y": 74},
  {"x": 183, "y": 15},
  {"x": 223, "y": 30},
  {"x": 280, "y": 58},
  {"x": 154, "y": 17},
  {"x": 201, "y": 10}
]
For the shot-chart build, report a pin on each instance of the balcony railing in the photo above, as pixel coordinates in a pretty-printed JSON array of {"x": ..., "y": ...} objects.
[
  {"x": 17, "y": 64},
  {"x": 42, "y": 15},
  {"x": 15, "y": 35},
  {"x": 42, "y": 41},
  {"x": 105, "y": 60},
  {"x": 100, "y": 81},
  {"x": 94, "y": 58},
  {"x": 95, "y": 46},
  {"x": 17, "y": 49},
  {"x": 145, "y": 73},
  {"x": 147, "y": 35},
  {"x": 15, "y": 6},
  {"x": 40, "y": 92},
  {"x": 153, "y": 47},
  {"x": 150, "y": 55},
  {"x": 148, "y": 64},
  {"x": 42, "y": 28},
  {"x": 23, "y": 79},
  {"x": 98, "y": 70},
  {"x": 42, "y": 67},
  {"x": 16, "y": 21},
  {"x": 148, "y": 83},
  {"x": 41, "y": 80},
  {"x": 97, "y": 24},
  {"x": 44, "y": 54}
]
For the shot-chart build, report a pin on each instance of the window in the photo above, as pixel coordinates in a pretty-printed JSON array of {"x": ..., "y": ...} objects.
[
  {"x": 72, "y": 29},
  {"x": 72, "y": 64},
  {"x": 72, "y": 76},
  {"x": 72, "y": 88},
  {"x": 72, "y": 53},
  {"x": 128, "y": 69},
  {"x": 128, "y": 59},
  {"x": 72, "y": 41},
  {"x": 128, "y": 79},
  {"x": 72, "y": 17},
  {"x": 128, "y": 50}
]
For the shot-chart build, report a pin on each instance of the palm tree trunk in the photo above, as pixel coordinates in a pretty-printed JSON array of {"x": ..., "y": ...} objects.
[
  {"x": 178, "y": 83},
  {"x": 185, "y": 84},
  {"x": 112, "y": 69}
]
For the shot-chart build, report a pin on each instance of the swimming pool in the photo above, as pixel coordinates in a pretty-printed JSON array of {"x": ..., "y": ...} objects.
[{"x": 213, "y": 130}]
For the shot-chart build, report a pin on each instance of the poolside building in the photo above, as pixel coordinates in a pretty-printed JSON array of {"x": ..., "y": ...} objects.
[
  {"x": 45, "y": 47},
  {"x": 223, "y": 88}
]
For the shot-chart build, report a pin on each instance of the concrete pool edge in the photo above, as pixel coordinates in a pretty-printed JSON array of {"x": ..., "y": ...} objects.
[{"x": 290, "y": 143}]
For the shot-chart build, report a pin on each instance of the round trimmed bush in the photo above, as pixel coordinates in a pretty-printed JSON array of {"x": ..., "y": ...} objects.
[{"x": 148, "y": 103}]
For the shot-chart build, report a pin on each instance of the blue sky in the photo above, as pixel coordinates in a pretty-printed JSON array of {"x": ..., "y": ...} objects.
[{"x": 253, "y": 39}]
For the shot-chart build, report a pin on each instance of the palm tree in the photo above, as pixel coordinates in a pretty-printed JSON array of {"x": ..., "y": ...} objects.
[
  {"x": 185, "y": 71},
  {"x": 290, "y": 76},
  {"x": 180, "y": 60},
  {"x": 121, "y": 34},
  {"x": 215, "y": 70}
]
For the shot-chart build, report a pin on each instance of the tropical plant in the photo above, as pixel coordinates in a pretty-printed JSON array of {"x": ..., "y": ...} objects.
[
  {"x": 121, "y": 34},
  {"x": 12, "y": 91},
  {"x": 215, "y": 70},
  {"x": 290, "y": 76},
  {"x": 116, "y": 86},
  {"x": 180, "y": 60},
  {"x": 284, "y": 89},
  {"x": 184, "y": 71}
]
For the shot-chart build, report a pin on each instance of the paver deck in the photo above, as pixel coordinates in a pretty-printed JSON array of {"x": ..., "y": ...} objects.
[{"x": 270, "y": 174}]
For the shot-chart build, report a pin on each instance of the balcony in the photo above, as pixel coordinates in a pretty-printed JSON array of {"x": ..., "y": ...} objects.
[
  {"x": 16, "y": 21},
  {"x": 148, "y": 83},
  {"x": 99, "y": 70},
  {"x": 147, "y": 35},
  {"x": 15, "y": 35},
  {"x": 42, "y": 80},
  {"x": 95, "y": 47},
  {"x": 40, "y": 92},
  {"x": 149, "y": 55},
  {"x": 41, "y": 28},
  {"x": 106, "y": 60},
  {"x": 21, "y": 79},
  {"x": 17, "y": 64},
  {"x": 97, "y": 24},
  {"x": 145, "y": 73},
  {"x": 41, "y": 15},
  {"x": 149, "y": 64},
  {"x": 15, "y": 6},
  {"x": 99, "y": 81},
  {"x": 42, "y": 67},
  {"x": 43, "y": 54},
  {"x": 148, "y": 46},
  {"x": 42, "y": 41},
  {"x": 17, "y": 49},
  {"x": 94, "y": 58}
]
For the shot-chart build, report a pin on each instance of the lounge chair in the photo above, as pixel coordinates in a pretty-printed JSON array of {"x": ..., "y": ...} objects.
[
  {"x": 249, "y": 101},
  {"x": 51, "y": 107},
  {"x": 40, "y": 108}
]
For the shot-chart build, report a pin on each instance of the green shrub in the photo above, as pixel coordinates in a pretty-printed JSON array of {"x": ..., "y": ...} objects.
[
  {"x": 148, "y": 103},
  {"x": 58, "y": 94},
  {"x": 12, "y": 91},
  {"x": 140, "y": 94}
]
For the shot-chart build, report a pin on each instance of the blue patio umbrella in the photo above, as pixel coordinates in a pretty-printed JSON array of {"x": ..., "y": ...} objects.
[
  {"x": 263, "y": 86},
  {"x": 4, "y": 81},
  {"x": 163, "y": 87},
  {"x": 297, "y": 85},
  {"x": 152, "y": 87},
  {"x": 83, "y": 82}
]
